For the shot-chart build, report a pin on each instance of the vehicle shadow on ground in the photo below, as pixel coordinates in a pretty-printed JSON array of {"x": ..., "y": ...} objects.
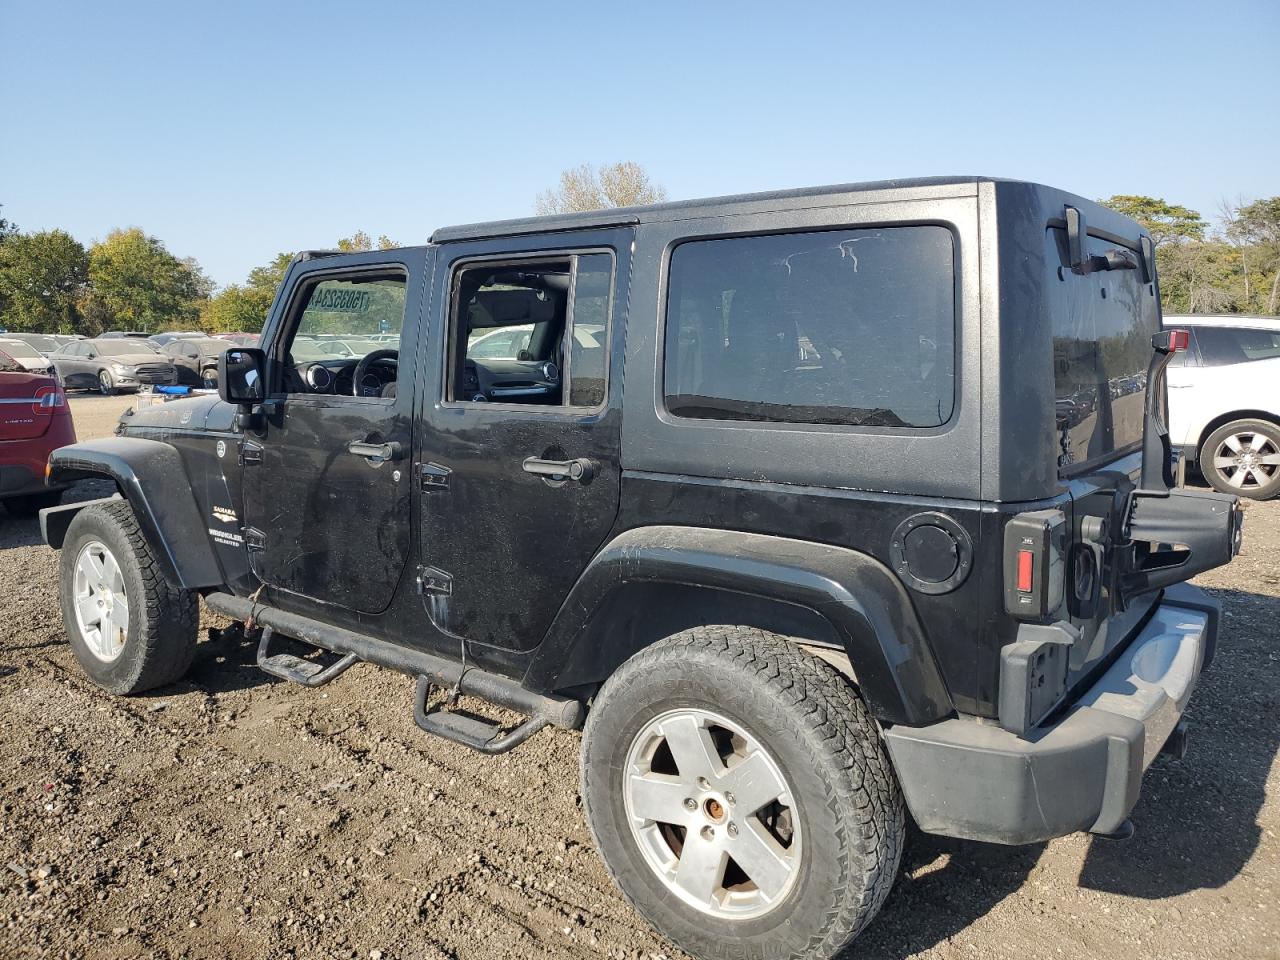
[
  {"x": 19, "y": 531},
  {"x": 1197, "y": 819},
  {"x": 945, "y": 886},
  {"x": 225, "y": 660}
]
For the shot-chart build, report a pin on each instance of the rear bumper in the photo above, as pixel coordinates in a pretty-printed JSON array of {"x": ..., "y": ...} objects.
[{"x": 973, "y": 779}]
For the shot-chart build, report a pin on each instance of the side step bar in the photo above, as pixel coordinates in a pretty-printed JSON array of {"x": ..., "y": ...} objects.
[
  {"x": 430, "y": 669},
  {"x": 296, "y": 669}
]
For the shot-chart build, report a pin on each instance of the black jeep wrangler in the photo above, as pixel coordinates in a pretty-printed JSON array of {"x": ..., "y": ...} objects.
[{"x": 816, "y": 508}]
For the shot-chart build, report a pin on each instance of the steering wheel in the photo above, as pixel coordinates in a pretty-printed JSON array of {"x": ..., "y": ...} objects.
[{"x": 368, "y": 360}]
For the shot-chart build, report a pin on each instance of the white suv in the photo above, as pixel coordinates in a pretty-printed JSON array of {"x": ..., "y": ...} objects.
[{"x": 1224, "y": 401}]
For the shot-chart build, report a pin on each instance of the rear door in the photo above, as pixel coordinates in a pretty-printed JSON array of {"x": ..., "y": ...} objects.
[{"x": 519, "y": 465}]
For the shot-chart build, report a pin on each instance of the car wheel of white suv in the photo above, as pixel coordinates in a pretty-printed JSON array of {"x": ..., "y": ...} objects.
[{"x": 1243, "y": 457}]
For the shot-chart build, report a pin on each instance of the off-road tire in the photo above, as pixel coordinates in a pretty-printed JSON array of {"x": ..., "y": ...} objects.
[
  {"x": 29, "y": 504},
  {"x": 814, "y": 724},
  {"x": 1218, "y": 478},
  {"x": 161, "y": 637},
  {"x": 106, "y": 383}
]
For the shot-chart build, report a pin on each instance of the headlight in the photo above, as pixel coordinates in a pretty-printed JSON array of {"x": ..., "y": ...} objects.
[{"x": 119, "y": 368}]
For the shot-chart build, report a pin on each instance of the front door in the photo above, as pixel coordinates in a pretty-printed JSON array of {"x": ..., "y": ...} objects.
[
  {"x": 327, "y": 479},
  {"x": 519, "y": 467}
]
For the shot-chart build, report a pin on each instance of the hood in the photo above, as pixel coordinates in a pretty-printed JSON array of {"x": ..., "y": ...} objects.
[
  {"x": 189, "y": 413},
  {"x": 136, "y": 359},
  {"x": 33, "y": 363}
]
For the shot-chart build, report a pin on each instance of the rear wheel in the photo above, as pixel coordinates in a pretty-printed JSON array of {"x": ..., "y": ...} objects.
[
  {"x": 1243, "y": 457},
  {"x": 739, "y": 794},
  {"x": 106, "y": 383},
  {"x": 129, "y": 627}
]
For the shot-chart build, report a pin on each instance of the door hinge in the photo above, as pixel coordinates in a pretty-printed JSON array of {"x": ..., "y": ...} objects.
[
  {"x": 433, "y": 581},
  {"x": 432, "y": 476},
  {"x": 250, "y": 453},
  {"x": 255, "y": 539}
]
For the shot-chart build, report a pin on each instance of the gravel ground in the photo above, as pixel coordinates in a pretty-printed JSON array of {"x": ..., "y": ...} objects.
[{"x": 232, "y": 816}]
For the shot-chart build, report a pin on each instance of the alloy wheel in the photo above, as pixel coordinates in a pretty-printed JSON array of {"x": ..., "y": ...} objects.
[
  {"x": 712, "y": 814},
  {"x": 1247, "y": 460},
  {"x": 102, "y": 607}
]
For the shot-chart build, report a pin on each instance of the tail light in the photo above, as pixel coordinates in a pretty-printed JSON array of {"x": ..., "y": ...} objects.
[
  {"x": 1034, "y": 668},
  {"x": 1035, "y": 547},
  {"x": 50, "y": 398}
]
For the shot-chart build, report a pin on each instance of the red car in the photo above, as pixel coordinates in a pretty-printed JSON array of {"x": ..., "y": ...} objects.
[{"x": 34, "y": 421}]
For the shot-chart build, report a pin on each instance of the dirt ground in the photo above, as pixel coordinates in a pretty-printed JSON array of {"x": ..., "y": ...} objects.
[{"x": 231, "y": 816}]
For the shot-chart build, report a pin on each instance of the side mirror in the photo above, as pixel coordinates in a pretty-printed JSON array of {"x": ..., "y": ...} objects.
[{"x": 242, "y": 377}]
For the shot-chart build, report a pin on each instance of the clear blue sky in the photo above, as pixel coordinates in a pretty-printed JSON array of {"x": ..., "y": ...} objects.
[{"x": 235, "y": 130}]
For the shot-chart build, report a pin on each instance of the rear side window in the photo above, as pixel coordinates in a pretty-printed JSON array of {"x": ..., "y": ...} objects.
[
  {"x": 840, "y": 327},
  {"x": 1220, "y": 346}
]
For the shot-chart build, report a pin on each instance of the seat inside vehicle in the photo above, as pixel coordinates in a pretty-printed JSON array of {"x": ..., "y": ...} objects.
[{"x": 508, "y": 333}]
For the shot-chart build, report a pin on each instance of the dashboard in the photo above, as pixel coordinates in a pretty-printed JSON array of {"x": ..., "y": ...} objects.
[{"x": 335, "y": 377}]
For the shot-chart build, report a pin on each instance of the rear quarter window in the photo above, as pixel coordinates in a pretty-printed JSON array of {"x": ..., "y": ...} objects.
[
  {"x": 852, "y": 327},
  {"x": 1220, "y": 346}
]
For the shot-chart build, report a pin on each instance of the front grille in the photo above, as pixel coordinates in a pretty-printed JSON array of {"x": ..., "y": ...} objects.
[{"x": 153, "y": 373}]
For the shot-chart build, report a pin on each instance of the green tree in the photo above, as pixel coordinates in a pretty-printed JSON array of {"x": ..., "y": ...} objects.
[
  {"x": 359, "y": 242},
  {"x": 271, "y": 276},
  {"x": 7, "y": 228},
  {"x": 1164, "y": 221},
  {"x": 42, "y": 277},
  {"x": 624, "y": 184},
  {"x": 137, "y": 284},
  {"x": 244, "y": 307},
  {"x": 1258, "y": 223}
]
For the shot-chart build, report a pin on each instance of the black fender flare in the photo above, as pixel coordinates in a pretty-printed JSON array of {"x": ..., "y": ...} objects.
[
  {"x": 856, "y": 594},
  {"x": 151, "y": 476}
]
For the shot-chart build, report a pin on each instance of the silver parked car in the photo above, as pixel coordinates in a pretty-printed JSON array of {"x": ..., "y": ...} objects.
[{"x": 111, "y": 364}]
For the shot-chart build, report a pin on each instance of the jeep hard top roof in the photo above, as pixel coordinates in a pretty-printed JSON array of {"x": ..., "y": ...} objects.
[{"x": 915, "y": 188}]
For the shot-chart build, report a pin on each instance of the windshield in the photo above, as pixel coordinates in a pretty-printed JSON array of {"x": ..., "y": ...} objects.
[
  {"x": 205, "y": 345},
  {"x": 122, "y": 347},
  {"x": 16, "y": 348}
]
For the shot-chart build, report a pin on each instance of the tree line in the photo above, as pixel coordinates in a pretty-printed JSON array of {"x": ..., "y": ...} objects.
[
  {"x": 1232, "y": 266},
  {"x": 51, "y": 283}
]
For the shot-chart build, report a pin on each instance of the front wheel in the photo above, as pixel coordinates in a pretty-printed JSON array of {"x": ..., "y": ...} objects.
[
  {"x": 129, "y": 627},
  {"x": 106, "y": 383},
  {"x": 739, "y": 794},
  {"x": 209, "y": 377},
  {"x": 1243, "y": 457}
]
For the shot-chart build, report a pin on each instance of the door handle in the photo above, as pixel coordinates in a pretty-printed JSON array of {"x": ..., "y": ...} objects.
[
  {"x": 376, "y": 451},
  {"x": 581, "y": 469}
]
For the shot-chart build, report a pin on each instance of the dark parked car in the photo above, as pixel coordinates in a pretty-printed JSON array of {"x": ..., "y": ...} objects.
[
  {"x": 116, "y": 334},
  {"x": 111, "y": 364},
  {"x": 34, "y": 421},
  {"x": 196, "y": 358},
  {"x": 835, "y": 555}
]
